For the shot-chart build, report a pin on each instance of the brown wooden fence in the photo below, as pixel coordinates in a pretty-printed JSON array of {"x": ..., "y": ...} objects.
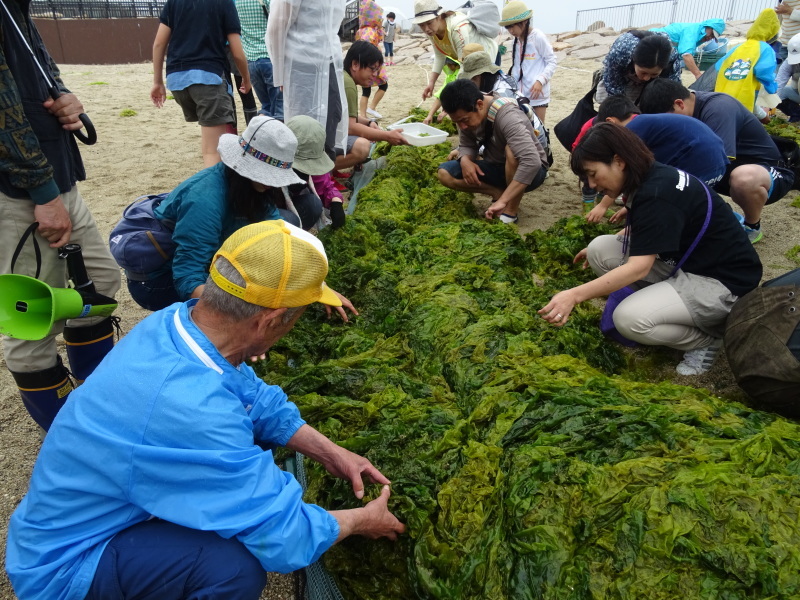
[{"x": 98, "y": 41}]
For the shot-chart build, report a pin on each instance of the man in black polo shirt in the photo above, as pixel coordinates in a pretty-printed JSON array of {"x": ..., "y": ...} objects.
[{"x": 755, "y": 176}]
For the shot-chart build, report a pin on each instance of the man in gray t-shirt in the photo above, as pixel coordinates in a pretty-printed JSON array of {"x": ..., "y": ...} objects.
[{"x": 513, "y": 162}]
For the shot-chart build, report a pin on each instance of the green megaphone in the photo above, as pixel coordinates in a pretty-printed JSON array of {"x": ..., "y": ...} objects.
[{"x": 29, "y": 307}]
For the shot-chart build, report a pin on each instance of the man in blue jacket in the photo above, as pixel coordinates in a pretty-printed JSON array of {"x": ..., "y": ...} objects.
[
  {"x": 151, "y": 482},
  {"x": 686, "y": 37}
]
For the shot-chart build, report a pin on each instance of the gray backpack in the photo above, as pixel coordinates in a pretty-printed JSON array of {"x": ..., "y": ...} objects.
[{"x": 484, "y": 16}]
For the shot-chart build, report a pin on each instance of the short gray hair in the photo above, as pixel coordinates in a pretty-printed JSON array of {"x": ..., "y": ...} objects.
[{"x": 229, "y": 305}]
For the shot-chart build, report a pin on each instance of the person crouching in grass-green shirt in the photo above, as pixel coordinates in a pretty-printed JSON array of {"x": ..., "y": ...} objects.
[{"x": 361, "y": 62}]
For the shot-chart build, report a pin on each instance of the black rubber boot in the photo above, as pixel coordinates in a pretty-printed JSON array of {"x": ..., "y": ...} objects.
[
  {"x": 44, "y": 392},
  {"x": 87, "y": 346},
  {"x": 249, "y": 113},
  {"x": 337, "y": 214}
]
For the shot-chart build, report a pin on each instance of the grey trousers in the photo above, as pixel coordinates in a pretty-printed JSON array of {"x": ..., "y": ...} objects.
[
  {"x": 679, "y": 312},
  {"x": 16, "y": 215}
]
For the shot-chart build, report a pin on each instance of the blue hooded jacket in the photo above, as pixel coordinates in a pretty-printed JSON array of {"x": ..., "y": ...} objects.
[{"x": 686, "y": 36}]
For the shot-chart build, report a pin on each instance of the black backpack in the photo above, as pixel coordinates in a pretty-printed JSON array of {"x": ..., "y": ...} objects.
[{"x": 790, "y": 152}]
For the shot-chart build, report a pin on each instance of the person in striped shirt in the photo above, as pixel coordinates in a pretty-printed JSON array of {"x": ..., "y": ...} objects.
[
  {"x": 789, "y": 14},
  {"x": 253, "y": 16}
]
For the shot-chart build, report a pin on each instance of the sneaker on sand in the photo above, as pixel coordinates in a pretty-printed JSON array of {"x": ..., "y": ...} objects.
[
  {"x": 374, "y": 113},
  {"x": 699, "y": 360},
  {"x": 508, "y": 219},
  {"x": 754, "y": 235}
]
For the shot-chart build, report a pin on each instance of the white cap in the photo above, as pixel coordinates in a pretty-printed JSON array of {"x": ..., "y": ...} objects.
[{"x": 794, "y": 50}]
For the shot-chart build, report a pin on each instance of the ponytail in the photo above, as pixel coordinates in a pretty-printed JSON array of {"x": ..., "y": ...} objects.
[{"x": 525, "y": 33}]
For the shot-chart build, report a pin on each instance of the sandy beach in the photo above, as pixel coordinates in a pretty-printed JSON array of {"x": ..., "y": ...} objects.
[{"x": 154, "y": 150}]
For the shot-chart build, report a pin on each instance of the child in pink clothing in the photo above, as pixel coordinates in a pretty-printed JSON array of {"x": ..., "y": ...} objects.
[{"x": 331, "y": 198}]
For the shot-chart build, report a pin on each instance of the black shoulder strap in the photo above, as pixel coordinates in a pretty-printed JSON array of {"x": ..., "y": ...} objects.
[{"x": 21, "y": 244}]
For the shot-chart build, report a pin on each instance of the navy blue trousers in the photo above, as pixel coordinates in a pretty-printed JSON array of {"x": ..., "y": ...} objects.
[{"x": 157, "y": 560}]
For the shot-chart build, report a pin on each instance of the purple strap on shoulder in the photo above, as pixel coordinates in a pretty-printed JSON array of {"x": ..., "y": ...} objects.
[{"x": 699, "y": 235}]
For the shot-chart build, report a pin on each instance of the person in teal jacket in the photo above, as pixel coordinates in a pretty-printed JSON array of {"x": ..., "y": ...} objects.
[
  {"x": 209, "y": 206},
  {"x": 686, "y": 37},
  {"x": 153, "y": 481}
]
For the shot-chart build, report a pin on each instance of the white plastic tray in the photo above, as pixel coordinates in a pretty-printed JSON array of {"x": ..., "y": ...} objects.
[{"x": 412, "y": 131}]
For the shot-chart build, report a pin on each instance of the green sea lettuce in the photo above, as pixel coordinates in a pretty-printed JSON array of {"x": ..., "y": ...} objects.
[{"x": 526, "y": 460}]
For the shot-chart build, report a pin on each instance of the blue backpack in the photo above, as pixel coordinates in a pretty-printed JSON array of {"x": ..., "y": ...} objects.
[{"x": 140, "y": 243}]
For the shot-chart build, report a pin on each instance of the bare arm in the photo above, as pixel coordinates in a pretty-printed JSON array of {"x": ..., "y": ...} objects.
[
  {"x": 688, "y": 60},
  {"x": 235, "y": 42},
  {"x": 158, "y": 93},
  {"x": 357, "y": 126},
  {"x": 338, "y": 461},
  {"x": 557, "y": 311},
  {"x": 511, "y": 195},
  {"x": 598, "y": 212}
]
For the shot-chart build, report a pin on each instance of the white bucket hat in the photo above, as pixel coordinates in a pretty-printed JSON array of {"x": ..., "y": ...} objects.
[
  {"x": 264, "y": 153},
  {"x": 425, "y": 10}
]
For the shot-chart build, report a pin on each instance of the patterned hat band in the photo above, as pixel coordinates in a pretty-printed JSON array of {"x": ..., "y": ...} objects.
[
  {"x": 518, "y": 18},
  {"x": 265, "y": 158},
  {"x": 428, "y": 12}
]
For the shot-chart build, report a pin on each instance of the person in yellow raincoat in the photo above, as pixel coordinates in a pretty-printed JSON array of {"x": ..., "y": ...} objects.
[{"x": 743, "y": 71}]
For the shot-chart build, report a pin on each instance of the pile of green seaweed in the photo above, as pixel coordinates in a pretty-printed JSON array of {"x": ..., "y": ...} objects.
[
  {"x": 523, "y": 463},
  {"x": 782, "y": 128}
]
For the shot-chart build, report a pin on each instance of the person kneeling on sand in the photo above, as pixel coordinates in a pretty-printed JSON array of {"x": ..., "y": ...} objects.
[
  {"x": 513, "y": 162},
  {"x": 362, "y": 61},
  {"x": 154, "y": 481}
]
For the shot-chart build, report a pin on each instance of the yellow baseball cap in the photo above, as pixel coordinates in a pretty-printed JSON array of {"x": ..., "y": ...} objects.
[{"x": 282, "y": 266}]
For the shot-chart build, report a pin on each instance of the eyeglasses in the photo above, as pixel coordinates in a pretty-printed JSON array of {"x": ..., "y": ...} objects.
[{"x": 375, "y": 69}]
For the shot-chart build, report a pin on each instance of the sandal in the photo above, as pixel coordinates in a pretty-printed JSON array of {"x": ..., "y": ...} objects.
[{"x": 509, "y": 218}]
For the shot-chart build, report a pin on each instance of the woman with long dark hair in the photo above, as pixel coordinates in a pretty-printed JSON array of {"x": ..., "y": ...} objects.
[
  {"x": 635, "y": 58},
  {"x": 203, "y": 211},
  {"x": 533, "y": 60},
  {"x": 683, "y": 251}
]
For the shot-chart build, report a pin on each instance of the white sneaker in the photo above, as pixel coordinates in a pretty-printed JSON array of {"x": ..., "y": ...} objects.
[
  {"x": 699, "y": 360},
  {"x": 374, "y": 113}
]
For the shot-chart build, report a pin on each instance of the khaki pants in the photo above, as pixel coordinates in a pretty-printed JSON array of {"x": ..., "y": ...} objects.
[
  {"x": 657, "y": 315},
  {"x": 16, "y": 215}
]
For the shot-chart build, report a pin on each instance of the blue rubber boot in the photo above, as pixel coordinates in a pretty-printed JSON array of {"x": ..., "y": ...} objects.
[
  {"x": 44, "y": 392},
  {"x": 87, "y": 346}
]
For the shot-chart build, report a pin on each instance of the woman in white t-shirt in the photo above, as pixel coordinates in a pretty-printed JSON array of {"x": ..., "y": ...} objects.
[{"x": 533, "y": 59}]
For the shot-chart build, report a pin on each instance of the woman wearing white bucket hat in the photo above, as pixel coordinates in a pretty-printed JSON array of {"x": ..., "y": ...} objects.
[
  {"x": 208, "y": 207},
  {"x": 449, "y": 32}
]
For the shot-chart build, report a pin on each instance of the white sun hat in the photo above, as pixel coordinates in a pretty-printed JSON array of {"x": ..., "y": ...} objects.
[
  {"x": 264, "y": 153},
  {"x": 425, "y": 10}
]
